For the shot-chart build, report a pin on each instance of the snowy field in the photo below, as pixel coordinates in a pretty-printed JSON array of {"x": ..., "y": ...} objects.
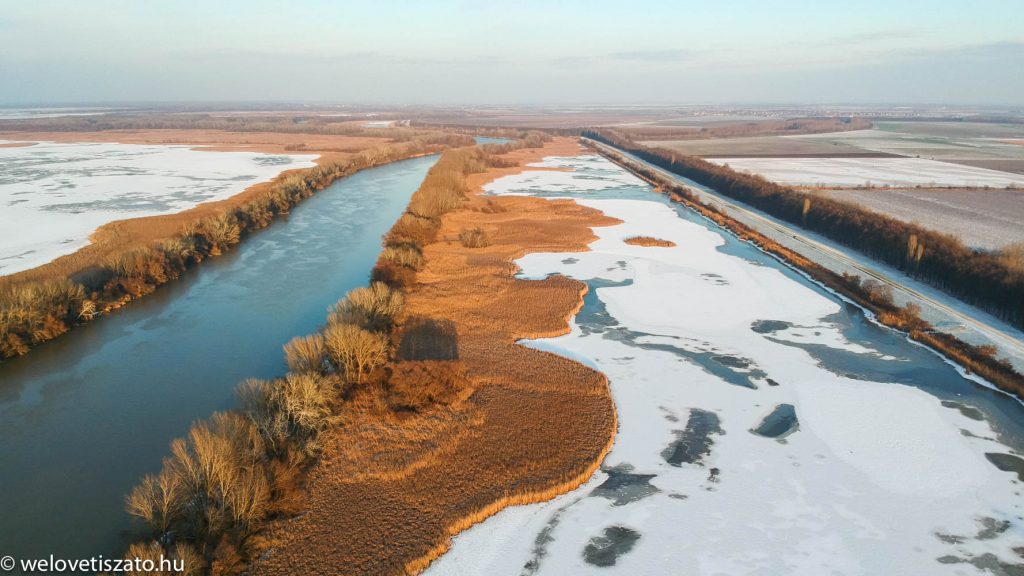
[
  {"x": 740, "y": 450},
  {"x": 843, "y": 172},
  {"x": 53, "y": 196}
]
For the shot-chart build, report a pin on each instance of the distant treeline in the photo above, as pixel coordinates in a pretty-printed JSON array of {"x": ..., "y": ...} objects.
[
  {"x": 32, "y": 312},
  {"x": 743, "y": 129},
  {"x": 993, "y": 281},
  {"x": 291, "y": 123},
  {"x": 869, "y": 294}
]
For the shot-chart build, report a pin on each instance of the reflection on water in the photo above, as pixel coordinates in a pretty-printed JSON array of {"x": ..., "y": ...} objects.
[{"x": 82, "y": 418}]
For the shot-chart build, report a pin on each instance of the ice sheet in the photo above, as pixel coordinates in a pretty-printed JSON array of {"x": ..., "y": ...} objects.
[
  {"x": 878, "y": 478},
  {"x": 53, "y": 195}
]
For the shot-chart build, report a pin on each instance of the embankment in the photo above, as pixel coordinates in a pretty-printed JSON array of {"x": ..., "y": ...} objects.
[
  {"x": 874, "y": 298},
  {"x": 992, "y": 281}
]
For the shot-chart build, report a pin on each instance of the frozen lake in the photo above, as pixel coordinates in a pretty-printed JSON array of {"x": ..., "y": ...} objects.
[
  {"x": 54, "y": 195},
  {"x": 765, "y": 426}
]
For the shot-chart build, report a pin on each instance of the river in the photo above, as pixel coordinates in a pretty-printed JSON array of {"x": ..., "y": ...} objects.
[{"x": 84, "y": 417}]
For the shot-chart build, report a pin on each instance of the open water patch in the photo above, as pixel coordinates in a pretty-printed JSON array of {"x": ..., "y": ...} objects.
[
  {"x": 623, "y": 486},
  {"x": 693, "y": 444},
  {"x": 781, "y": 422},
  {"x": 606, "y": 549}
]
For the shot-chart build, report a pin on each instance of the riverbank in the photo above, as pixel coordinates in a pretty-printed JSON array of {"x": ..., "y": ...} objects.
[
  {"x": 329, "y": 147},
  {"x": 391, "y": 489},
  {"x": 765, "y": 425},
  {"x": 972, "y": 358},
  {"x": 130, "y": 258},
  {"x": 85, "y": 417}
]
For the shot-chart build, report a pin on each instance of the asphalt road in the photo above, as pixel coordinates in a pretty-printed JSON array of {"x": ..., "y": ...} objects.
[{"x": 1008, "y": 344}]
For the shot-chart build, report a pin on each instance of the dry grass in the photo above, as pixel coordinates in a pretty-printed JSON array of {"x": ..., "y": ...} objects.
[
  {"x": 649, "y": 241},
  {"x": 115, "y": 237},
  {"x": 474, "y": 238},
  {"x": 519, "y": 425},
  {"x": 119, "y": 267}
]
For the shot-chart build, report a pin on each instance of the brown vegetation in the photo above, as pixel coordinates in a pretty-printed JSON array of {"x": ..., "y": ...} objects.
[
  {"x": 870, "y": 294},
  {"x": 131, "y": 258},
  {"x": 238, "y": 469},
  {"x": 468, "y": 421},
  {"x": 649, "y": 241}
]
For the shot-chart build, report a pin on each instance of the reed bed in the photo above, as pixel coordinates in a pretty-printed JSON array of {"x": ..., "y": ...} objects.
[
  {"x": 649, "y": 241},
  {"x": 34, "y": 311},
  {"x": 468, "y": 421}
]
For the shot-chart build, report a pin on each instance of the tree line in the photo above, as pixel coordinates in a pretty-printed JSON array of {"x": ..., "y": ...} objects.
[
  {"x": 237, "y": 470},
  {"x": 32, "y": 312},
  {"x": 869, "y": 294},
  {"x": 985, "y": 279}
]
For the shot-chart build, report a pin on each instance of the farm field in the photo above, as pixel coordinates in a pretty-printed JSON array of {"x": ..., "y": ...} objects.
[
  {"x": 981, "y": 218},
  {"x": 757, "y": 146},
  {"x": 981, "y": 145},
  {"x": 849, "y": 172}
]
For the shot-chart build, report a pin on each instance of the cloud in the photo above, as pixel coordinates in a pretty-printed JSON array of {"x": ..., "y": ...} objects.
[
  {"x": 655, "y": 55},
  {"x": 868, "y": 37}
]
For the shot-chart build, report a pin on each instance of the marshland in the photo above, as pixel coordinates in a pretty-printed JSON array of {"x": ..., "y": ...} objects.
[
  {"x": 82, "y": 424},
  {"x": 565, "y": 288}
]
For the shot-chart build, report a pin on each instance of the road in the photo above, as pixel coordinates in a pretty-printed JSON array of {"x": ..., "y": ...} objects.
[{"x": 1009, "y": 344}]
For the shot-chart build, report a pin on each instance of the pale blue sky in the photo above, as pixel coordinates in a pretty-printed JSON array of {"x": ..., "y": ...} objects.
[{"x": 734, "y": 51}]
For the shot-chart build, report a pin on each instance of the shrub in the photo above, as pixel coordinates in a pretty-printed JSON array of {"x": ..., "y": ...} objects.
[
  {"x": 474, "y": 238},
  {"x": 305, "y": 353},
  {"x": 354, "y": 351},
  {"x": 290, "y": 411},
  {"x": 221, "y": 232},
  {"x": 220, "y": 467},
  {"x": 374, "y": 308},
  {"x": 411, "y": 231},
  {"x": 158, "y": 500},
  {"x": 33, "y": 312},
  {"x": 406, "y": 257},
  {"x": 393, "y": 275}
]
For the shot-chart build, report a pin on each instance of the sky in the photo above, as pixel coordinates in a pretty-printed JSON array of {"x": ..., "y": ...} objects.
[{"x": 513, "y": 52}]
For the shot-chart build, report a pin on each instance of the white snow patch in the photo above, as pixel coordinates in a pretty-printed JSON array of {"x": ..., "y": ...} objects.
[
  {"x": 876, "y": 473},
  {"x": 588, "y": 173},
  {"x": 54, "y": 195},
  {"x": 870, "y": 171}
]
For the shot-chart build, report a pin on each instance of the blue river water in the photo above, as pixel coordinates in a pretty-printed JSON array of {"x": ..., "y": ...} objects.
[{"x": 84, "y": 417}]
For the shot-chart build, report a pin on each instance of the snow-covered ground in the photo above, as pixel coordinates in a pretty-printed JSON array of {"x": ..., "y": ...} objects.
[
  {"x": 870, "y": 171},
  {"x": 739, "y": 450},
  {"x": 53, "y": 195}
]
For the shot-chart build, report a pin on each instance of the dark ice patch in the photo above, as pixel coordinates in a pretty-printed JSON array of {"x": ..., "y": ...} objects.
[
  {"x": 623, "y": 486},
  {"x": 781, "y": 422},
  {"x": 1007, "y": 463},
  {"x": 968, "y": 411},
  {"x": 692, "y": 444},
  {"x": 605, "y": 550},
  {"x": 769, "y": 326}
]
